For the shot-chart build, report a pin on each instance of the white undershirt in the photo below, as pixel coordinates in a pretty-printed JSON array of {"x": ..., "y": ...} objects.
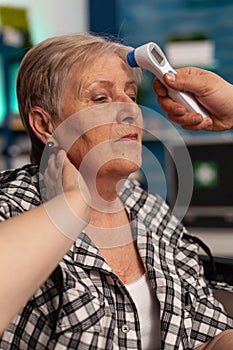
[{"x": 148, "y": 312}]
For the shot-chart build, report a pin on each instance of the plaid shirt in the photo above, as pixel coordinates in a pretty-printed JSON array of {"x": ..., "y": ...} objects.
[{"x": 97, "y": 312}]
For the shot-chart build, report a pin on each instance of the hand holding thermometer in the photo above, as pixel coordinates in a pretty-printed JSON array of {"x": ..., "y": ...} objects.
[{"x": 152, "y": 58}]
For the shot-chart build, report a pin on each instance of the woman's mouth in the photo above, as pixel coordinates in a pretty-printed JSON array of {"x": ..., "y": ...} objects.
[{"x": 129, "y": 137}]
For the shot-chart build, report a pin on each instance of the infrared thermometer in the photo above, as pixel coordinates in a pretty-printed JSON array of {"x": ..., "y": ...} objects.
[{"x": 150, "y": 57}]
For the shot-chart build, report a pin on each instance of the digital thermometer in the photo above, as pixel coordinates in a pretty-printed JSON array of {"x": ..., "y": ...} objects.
[{"x": 150, "y": 57}]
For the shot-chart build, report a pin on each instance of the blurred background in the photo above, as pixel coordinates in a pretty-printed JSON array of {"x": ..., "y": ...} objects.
[{"x": 191, "y": 32}]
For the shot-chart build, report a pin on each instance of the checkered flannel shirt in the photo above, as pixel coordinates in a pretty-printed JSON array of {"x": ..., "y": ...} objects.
[{"x": 97, "y": 312}]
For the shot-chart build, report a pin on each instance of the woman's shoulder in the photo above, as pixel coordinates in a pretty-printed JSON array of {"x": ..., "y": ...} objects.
[
  {"x": 153, "y": 211},
  {"x": 29, "y": 173},
  {"x": 19, "y": 189}
]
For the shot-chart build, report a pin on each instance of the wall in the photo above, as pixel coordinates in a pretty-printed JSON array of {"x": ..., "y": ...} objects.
[
  {"x": 53, "y": 17},
  {"x": 46, "y": 18}
]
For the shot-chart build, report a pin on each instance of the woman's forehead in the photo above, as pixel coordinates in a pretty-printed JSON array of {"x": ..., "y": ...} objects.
[{"x": 100, "y": 69}]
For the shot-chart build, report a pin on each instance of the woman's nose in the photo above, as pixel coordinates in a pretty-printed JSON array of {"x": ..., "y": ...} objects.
[
  {"x": 123, "y": 97},
  {"x": 127, "y": 113}
]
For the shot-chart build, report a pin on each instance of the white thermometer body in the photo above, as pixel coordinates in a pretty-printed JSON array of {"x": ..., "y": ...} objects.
[{"x": 150, "y": 57}]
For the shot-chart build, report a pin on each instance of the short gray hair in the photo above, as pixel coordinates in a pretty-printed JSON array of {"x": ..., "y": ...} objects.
[{"x": 45, "y": 69}]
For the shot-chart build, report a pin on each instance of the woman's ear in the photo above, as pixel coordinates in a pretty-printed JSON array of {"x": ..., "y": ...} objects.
[{"x": 41, "y": 124}]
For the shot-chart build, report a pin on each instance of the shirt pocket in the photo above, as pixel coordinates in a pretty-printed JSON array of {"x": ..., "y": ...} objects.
[{"x": 80, "y": 311}]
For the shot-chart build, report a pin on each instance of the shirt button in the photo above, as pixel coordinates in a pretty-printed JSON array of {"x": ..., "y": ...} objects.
[{"x": 125, "y": 328}]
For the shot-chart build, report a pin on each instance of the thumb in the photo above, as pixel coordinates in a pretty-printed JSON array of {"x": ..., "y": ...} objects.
[{"x": 186, "y": 79}]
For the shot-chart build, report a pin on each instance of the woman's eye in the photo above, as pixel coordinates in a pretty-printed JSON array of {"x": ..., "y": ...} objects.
[
  {"x": 133, "y": 98},
  {"x": 101, "y": 99}
]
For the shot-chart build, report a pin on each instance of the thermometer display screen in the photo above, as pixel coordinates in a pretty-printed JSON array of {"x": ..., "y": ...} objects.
[{"x": 156, "y": 55}]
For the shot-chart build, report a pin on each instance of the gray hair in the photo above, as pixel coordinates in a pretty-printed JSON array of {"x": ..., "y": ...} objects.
[{"x": 44, "y": 72}]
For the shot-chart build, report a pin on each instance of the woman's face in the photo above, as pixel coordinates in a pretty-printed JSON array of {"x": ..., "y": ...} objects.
[{"x": 101, "y": 104}]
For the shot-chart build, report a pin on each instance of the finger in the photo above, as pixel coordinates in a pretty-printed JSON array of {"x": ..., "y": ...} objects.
[
  {"x": 186, "y": 79},
  {"x": 189, "y": 119},
  {"x": 51, "y": 166},
  {"x": 178, "y": 114},
  {"x": 53, "y": 170},
  {"x": 206, "y": 124},
  {"x": 50, "y": 148},
  {"x": 52, "y": 178},
  {"x": 72, "y": 179},
  {"x": 171, "y": 107},
  {"x": 61, "y": 157},
  {"x": 159, "y": 88}
]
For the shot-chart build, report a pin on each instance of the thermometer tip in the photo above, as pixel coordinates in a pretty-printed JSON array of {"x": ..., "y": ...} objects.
[{"x": 131, "y": 59}]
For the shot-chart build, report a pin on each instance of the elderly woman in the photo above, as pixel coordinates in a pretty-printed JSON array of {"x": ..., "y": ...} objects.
[{"x": 132, "y": 279}]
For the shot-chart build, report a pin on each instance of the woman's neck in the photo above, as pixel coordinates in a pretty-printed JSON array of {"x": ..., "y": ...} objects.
[
  {"x": 109, "y": 229},
  {"x": 104, "y": 193}
]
